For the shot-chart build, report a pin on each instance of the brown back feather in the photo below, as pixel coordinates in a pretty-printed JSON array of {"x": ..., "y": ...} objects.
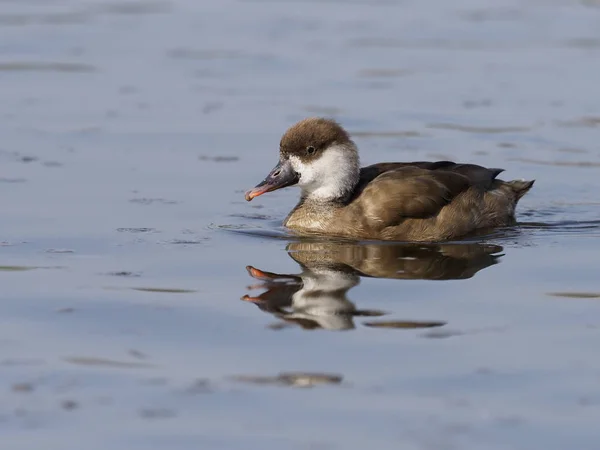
[
  {"x": 410, "y": 192},
  {"x": 477, "y": 175}
]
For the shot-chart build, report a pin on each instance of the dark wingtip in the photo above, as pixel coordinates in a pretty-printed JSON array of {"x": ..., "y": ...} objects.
[{"x": 496, "y": 172}]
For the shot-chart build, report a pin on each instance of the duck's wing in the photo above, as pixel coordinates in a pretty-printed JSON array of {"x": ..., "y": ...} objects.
[
  {"x": 409, "y": 192},
  {"x": 477, "y": 175}
]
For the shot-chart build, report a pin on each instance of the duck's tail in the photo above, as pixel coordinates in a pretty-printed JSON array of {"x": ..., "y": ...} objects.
[{"x": 520, "y": 187}]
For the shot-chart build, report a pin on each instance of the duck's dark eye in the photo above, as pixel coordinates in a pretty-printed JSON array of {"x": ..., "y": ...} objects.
[{"x": 310, "y": 149}]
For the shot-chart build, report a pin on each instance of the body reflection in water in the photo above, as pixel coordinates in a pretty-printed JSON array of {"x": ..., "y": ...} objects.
[{"x": 316, "y": 297}]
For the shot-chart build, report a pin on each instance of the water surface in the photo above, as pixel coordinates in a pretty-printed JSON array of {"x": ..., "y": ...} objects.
[{"x": 145, "y": 304}]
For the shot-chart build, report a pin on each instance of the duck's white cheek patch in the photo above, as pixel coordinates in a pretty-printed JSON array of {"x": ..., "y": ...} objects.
[
  {"x": 296, "y": 163},
  {"x": 305, "y": 172}
]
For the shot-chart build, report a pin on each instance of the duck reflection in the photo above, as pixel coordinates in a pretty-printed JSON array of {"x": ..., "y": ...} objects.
[{"x": 316, "y": 297}]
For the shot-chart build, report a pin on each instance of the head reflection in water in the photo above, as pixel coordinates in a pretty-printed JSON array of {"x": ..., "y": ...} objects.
[{"x": 316, "y": 298}]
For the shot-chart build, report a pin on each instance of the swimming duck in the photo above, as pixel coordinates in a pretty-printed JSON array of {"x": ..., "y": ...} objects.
[{"x": 407, "y": 201}]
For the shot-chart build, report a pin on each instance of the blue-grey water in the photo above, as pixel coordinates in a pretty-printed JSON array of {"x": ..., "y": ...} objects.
[{"x": 129, "y": 319}]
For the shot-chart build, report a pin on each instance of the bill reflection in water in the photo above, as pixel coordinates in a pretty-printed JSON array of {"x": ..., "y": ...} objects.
[{"x": 316, "y": 298}]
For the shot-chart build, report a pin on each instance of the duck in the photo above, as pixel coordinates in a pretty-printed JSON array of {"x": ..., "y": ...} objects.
[{"x": 420, "y": 201}]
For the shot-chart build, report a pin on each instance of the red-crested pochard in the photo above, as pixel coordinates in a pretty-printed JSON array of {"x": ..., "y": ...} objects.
[{"x": 408, "y": 201}]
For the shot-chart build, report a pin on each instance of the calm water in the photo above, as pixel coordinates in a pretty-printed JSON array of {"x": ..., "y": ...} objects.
[{"x": 145, "y": 304}]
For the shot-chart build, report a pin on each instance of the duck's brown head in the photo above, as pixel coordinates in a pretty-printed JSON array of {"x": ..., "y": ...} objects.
[{"x": 318, "y": 155}]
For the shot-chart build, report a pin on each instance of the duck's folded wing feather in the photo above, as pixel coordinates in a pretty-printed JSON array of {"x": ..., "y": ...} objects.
[
  {"x": 410, "y": 192},
  {"x": 478, "y": 175}
]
